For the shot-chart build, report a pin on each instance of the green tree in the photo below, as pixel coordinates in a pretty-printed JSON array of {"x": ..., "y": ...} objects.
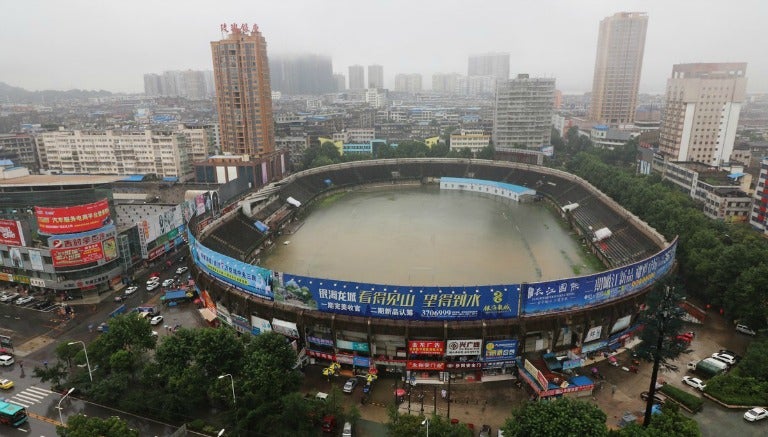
[
  {"x": 54, "y": 373},
  {"x": 487, "y": 152},
  {"x": 561, "y": 417},
  {"x": 669, "y": 423},
  {"x": 755, "y": 361},
  {"x": 80, "y": 425}
]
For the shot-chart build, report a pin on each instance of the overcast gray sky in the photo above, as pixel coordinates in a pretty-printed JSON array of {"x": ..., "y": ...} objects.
[{"x": 110, "y": 44}]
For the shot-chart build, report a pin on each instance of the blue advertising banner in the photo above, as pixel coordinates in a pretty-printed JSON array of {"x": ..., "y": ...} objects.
[
  {"x": 574, "y": 293},
  {"x": 244, "y": 277},
  {"x": 500, "y": 350},
  {"x": 361, "y": 361},
  {"x": 402, "y": 302}
]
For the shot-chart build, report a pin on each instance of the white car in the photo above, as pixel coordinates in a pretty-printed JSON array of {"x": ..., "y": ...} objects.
[
  {"x": 756, "y": 414},
  {"x": 744, "y": 329},
  {"x": 9, "y": 297},
  {"x": 152, "y": 285},
  {"x": 24, "y": 300},
  {"x": 694, "y": 382},
  {"x": 130, "y": 290},
  {"x": 181, "y": 270},
  {"x": 156, "y": 320},
  {"x": 168, "y": 283},
  {"x": 6, "y": 360},
  {"x": 728, "y": 359},
  {"x": 153, "y": 281}
]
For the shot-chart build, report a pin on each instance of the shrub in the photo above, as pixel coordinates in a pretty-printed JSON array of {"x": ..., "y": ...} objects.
[
  {"x": 692, "y": 402},
  {"x": 738, "y": 390}
]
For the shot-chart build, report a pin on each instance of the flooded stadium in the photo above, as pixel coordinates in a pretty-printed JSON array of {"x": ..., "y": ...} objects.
[{"x": 420, "y": 235}]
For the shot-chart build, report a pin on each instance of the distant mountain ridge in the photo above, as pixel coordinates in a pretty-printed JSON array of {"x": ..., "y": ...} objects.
[{"x": 12, "y": 94}]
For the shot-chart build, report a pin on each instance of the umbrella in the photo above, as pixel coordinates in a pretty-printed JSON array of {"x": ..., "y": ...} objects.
[
  {"x": 594, "y": 370},
  {"x": 400, "y": 392},
  {"x": 612, "y": 359}
]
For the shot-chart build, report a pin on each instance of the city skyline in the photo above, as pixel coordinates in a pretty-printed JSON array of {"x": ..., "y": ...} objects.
[{"x": 556, "y": 39}]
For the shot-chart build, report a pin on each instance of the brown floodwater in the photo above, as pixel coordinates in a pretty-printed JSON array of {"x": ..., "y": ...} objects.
[{"x": 420, "y": 235}]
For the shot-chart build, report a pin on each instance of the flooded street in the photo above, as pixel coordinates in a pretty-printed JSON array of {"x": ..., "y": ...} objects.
[{"x": 424, "y": 236}]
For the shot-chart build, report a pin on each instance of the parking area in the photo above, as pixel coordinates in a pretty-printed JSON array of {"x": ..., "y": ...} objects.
[{"x": 32, "y": 300}]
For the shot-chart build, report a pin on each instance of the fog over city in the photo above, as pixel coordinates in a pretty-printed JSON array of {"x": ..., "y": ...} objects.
[{"x": 110, "y": 45}]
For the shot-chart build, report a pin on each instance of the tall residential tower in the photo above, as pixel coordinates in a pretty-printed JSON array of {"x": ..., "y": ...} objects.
[
  {"x": 702, "y": 112},
  {"x": 522, "y": 116},
  {"x": 376, "y": 76},
  {"x": 620, "y": 46},
  {"x": 243, "y": 93},
  {"x": 356, "y": 77}
]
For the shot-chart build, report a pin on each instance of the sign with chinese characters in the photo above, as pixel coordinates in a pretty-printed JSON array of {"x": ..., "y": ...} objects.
[
  {"x": 242, "y": 276},
  {"x": 593, "y": 334},
  {"x": 322, "y": 355},
  {"x": 463, "y": 347},
  {"x": 11, "y": 234},
  {"x": 259, "y": 325},
  {"x": 403, "y": 302},
  {"x": 428, "y": 347},
  {"x": 500, "y": 350},
  {"x": 321, "y": 341},
  {"x": 574, "y": 293},
  {"x": 463, "y": 365},
  {"x": 70, "y": 219},
  {"x": 425, "y": 365},
  {"x": 352, "y": 345}
]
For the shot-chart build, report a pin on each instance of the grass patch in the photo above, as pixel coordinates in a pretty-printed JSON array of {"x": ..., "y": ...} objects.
[{"x": 692, "y": 402}]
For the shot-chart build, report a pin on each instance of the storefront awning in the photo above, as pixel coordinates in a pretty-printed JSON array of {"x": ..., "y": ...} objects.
[{"x": 207, "y": 314}]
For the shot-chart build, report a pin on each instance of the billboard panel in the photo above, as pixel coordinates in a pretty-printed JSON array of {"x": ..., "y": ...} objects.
[
  {"x": 575, "y": 293},
  {"x": 11, "y": 234},
  {"x": 71, "y": 219},
  {"x": 36, "y": 259},
  {"x": 242, "y": 276},
  {"x": 463, "y": 347},
  {"x": 84, "y": 247},
  {"x": 500, "y": 350},
  {"x": 156, "y": 226},
  {"x": 402, "y": 302}
]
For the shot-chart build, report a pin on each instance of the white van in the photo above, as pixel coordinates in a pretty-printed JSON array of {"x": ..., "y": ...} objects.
[{"x": 347, "y": 432}]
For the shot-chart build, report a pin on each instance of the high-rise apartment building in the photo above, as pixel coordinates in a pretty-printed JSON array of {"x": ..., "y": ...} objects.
[
  {"x": 408, "y": 83},
  {"x": 341, "y": 82},
  {"x": 301, "y": 74},
  {"x": 190, "y": 84},
  {"x": 489, "y": 64},
  {"x": 375, "y": 76},
  {"x": 243, "y": 93},
  {"x": 21, "y": 149},
  {"x": 523, "y": 112},
  {"x": 702, "y": 111},
  {"x": 443, "y": 83},
  {"x": 356, "y": 77},
  {"x": 620, "y": 46}
]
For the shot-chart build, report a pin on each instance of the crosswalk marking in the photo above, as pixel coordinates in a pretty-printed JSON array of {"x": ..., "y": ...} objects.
[{"x": 30, "y": 396}]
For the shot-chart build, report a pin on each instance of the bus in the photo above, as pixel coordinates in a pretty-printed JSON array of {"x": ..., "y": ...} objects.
[{"x": 12, "y": 414}]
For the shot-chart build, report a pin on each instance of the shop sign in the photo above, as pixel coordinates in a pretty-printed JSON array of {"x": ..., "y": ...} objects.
[
  {"x": 71, "y": 219},
  {"x": 500, "y": 350},
  {"x": 321, "y": 341},
  {"x": 288, "y": 329},
  {"x": 425, "y": 365},
  {"x": 572, "y": 364},
  {"x": 464, "y": 365},
  {"x": 593, "y": 334},
  {"x": 420, "y": 347},
  {"x": 352, "y": 345},
  {"x": 386, "y": 362},
  {"x": 259, "y": 325},
  {"x": 11, "y": 234},
  {"x": 464, "y": 347},
  {"x": 240, "y": 324},
  {"x": 21, "y": 279},
  {"x": 322, "y": 355},
  {"x": 37, "y": 282},
  {"x": 361, "y": 362},
  {"x": 569, "y": 389},
  {"x": 594, "y": 346},
  {"x": 499, "y": 364},
  {"x": 345, "y": 358}
]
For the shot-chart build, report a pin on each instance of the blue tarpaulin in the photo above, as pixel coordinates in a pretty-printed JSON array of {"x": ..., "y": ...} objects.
[
  {"x": 134, "y": 178},
  {"x": 170, "y": 179},
  {"x": 175, "y": 294}
]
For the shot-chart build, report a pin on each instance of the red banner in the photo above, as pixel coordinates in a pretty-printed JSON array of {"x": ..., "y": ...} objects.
[
  {"x": 419, "y": 347},
  {"x": 425, "y": 365},
  {"x": 77, "y": 256},
  {"x": 10, "y": 233},
  {"x": 71, "y": 219}
]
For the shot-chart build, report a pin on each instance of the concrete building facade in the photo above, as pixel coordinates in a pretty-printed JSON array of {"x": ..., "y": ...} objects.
[
  {"x": 356, "y": 77},
  {"x": 375, "y": 76},
  {"x": 523, "y": 113},
  {"x": 21, "y": 149},
  {"x": 619, "y": 61},
  {"x": 701, "y": 115},
  {"x": 489, "y": 64},
  {"x": 243, "y": 92},
  {"x": 472, "y": 139},
  {"x": 408, "y": 83}
]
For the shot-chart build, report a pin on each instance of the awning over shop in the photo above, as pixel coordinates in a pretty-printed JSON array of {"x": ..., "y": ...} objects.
[{"x": 207, "y": 314}]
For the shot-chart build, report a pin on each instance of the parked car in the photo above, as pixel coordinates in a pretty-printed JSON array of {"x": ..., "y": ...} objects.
[
  {"x": 9, "y": 297},
  {"x": 731, "y": 353},
  {"x": 329, "y": 424},
  {"x": 728, "y": 359},
  {"x": 24, "y": 300},
  {"x": 153, "y": 281},
  {"x": 7, "y": 384},
  {"x": 130, "y": 290},
  {"x": 119, "y": 298},
  {"x": 6, "y": 360},
  {"x": 350, "y": 385},
  {"x": 156, "y": 320},
  {"x": 756, "y": 414},
  {"x": 485, "y": 431},
  {"x": 168, "y": 283},
  {"x": 42, "y": 304},
  {"x": 181, "y": 270},
  {"x": 152, "y": 286},
  {"x": 744, "y": 329},
  {"x": 694, "y": 382},
  {"x": 658, "y": 398},
  {"x": 347, "y": 430}
]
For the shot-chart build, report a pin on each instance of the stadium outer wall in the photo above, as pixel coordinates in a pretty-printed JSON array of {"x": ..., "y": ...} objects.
[{"x": 393, "y": 344}]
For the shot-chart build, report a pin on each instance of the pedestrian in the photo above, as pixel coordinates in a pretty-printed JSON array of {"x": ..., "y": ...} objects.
[
  {"x": 613, "y": 389},
  {"x": 45, "y": 364},
  {"x": 444, "y": 393}
]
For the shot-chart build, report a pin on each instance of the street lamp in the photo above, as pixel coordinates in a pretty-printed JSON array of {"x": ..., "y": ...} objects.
[
  {"x": 426, "y": 422},
  {"x": 58, "y": 407},
  {"x": 87, "y": 363},
  {"x": 232, "y": 381}
]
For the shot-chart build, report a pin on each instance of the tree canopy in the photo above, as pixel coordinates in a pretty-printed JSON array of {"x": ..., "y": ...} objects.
[
  {"x": 561, "y": 417},
  {"x": 84, "y": 426}
]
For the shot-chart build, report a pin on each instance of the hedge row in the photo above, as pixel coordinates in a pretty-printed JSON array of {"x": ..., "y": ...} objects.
[
  {"x": 691, "y": 402},
  {"x": 738, "y": 390}
]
